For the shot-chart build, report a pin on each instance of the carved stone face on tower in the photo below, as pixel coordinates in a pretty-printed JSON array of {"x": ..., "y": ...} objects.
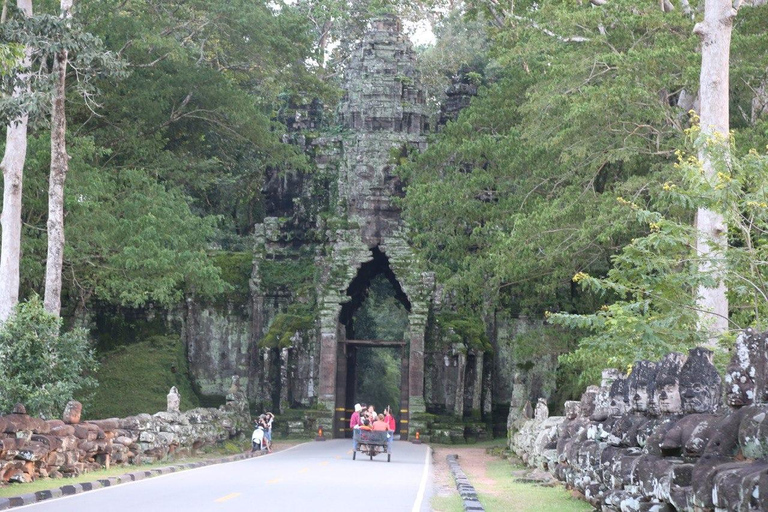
[
  {"x": 642, "y": 377},
  {"x": 666, "y": 391},
  {"x": 384, "y": 109},
  {"x": 700, "y": 384}
]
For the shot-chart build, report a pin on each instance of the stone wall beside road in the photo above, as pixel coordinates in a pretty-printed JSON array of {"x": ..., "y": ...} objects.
[
  {"x": 31, "y": 448},
  {"x": 665, "y": 437}
]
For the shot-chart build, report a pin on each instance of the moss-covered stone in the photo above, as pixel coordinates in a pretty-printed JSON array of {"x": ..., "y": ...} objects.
[
  {"x": 136, "y": 379},
  {"x": 283, "y": 328},
  {"x": 236, "y": 272},
  {"x": 290, "y": 275}
]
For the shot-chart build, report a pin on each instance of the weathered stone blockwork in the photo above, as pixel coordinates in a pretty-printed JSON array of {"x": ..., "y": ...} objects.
[
  {"x": 336, "y": 222},
  {"x": 660, "y": 438},
  {"x": 31, "y": 448}
]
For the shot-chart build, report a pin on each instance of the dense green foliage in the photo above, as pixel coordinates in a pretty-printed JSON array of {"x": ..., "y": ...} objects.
[
  {"x": 169, "y": 157},
  {"x": 136, "y": 379},
  {"x": 235, "y": 269},
  {"x": 131, "y": 239},
  {"x": 380, "y": 317},
  {"x": 652, "y": 283},
  {"x": 560, "y": 190},
  {"x": 518, "y": 194},
  {"x": 295, "y": 277},
  {"x": 287, "y": 275},
  {"x": 39, "y": 367},
  {"x": 566, "y": 157}
]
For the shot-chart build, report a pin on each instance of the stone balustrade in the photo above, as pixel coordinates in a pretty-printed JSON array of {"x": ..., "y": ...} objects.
[
  {"x": 31, "y": 448},
  {"x": 661, "y": 438}
]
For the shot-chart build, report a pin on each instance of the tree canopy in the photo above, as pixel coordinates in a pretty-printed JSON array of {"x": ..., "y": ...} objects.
[
  {"x": 552, "y": 192},
  {"x": 564, "y": 191}
]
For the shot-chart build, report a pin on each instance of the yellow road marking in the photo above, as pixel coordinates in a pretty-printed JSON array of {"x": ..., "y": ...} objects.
[
  {"x": 275, "y": 481},
  {"x": 228, "y": 497},
  {"x": 337, "y": 457},
  {"x": 350, "y": 452},
  {"x": 324, "y": 463},
  {"x": 303, "y": 470}
]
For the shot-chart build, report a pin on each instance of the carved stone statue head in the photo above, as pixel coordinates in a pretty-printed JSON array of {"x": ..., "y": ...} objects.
[
  {"x": 639, "y": 383},
  {"x": 743, "y": 370},
  {"x": 72, "y": 412},
  {"x": 572, "y": 409},
  {"x": 542, "y": 410},
  {"x": 700, "y": 384},
  {"x": 603, "y": 400},
  {"x": 588, "y": 401},
  {"x": 619, "y": 402},
  {"x": 666, "y": 391}
]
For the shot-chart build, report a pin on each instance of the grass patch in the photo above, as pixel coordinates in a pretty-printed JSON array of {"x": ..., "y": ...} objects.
[
  {"x": 451, "y": 503},
  {"x": 485, "y": 443},
  {"x": 507, "y": 495},
  {"x": 136, "y": 378},
  {"x": 9, "y": 490}
]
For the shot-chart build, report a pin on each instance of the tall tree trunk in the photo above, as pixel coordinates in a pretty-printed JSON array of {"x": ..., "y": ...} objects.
[
  {"x": 715, "y": 34},
  {"x": 59, "y": 167},
  {"x": 13, "y": 172}
]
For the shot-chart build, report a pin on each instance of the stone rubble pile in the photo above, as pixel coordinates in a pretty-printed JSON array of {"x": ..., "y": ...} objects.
[
  {"x": 660, "y": 439},
  {"x": 32, "y": 448}
]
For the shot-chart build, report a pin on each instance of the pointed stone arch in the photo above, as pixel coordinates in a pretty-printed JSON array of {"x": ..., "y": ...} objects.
[{"x": 339, "y": 303}]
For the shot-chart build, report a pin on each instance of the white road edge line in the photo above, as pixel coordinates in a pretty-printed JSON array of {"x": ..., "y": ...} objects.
[
  {"x": 138, "y": 468},
  {"x": 423, "y": 486}
]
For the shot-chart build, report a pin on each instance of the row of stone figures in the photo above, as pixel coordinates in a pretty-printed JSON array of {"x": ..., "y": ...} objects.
[
  {"x": 32, "y": 448},
  {"x": 663, "y": 438}
]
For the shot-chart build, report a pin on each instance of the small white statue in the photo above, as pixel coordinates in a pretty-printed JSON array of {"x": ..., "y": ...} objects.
[
  {"x": 174, "y": 399},
  {"x": 542, "y": 410}
]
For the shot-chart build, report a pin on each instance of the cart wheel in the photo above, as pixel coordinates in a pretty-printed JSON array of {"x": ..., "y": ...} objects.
[
  {"x": 353, "y": 455},
  {"x": 388, "y": 456}
]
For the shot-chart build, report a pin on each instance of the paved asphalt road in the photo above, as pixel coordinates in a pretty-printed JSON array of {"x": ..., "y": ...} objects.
[{"x": 311, "y": 477}]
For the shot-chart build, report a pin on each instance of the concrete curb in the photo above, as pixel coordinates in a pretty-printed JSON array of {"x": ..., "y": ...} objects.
[
  {"x": 70, "y": 489},
  {"x": 466, "y": 489}
]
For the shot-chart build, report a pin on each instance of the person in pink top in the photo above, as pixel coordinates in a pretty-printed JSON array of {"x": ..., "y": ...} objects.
[
  {"x": 390, "y": 419},
  {"x": 355, "y": 422}
]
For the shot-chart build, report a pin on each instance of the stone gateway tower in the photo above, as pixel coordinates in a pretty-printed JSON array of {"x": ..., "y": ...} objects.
[
  {"x": 383, "y": 114},
  {"x": 326, "y": 235},
  {"x": 331, "y": 238}
]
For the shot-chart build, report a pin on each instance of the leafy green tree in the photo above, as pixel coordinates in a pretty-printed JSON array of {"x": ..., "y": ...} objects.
[
  {"x": 131, "y": 239},
  {"x": 39, "y": 367},
  {"x": 171, "y": 161},
  {"x": 199, "y": 105},
  {"x": 652, "y": 286},
  {"x": 12, "y": 166},
  {"x": 581, "y": 105}
]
